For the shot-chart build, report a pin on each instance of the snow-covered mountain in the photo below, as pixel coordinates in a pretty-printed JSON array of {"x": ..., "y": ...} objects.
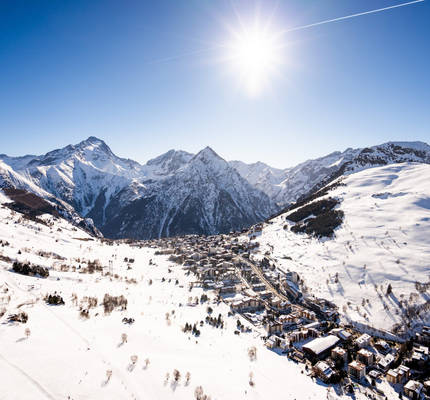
[
  {"x": 204, "y": 196},
  {"x": 286, "y": 186},
  {"x": 262, "y": 176},
  {"x": 9, "y": 179},
  {"x": 179, "y": 192},
  {"x": 383, "y": 240},
  {"x": 175, "y": 193}
]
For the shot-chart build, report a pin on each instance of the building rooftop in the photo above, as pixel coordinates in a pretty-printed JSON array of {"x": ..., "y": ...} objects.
[{"x": 319, "y": 345}]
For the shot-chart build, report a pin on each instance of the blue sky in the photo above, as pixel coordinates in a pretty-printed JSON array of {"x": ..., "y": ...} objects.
[{"x": 147, "y": 77}]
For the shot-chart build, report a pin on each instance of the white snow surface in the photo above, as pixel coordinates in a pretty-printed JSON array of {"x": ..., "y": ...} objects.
[
  {"x": 384, "y": 239},
  {"x": 66, "y": 357}
]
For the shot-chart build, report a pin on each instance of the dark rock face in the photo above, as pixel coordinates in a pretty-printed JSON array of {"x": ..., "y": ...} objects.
[{"x": 205, "y": 197}]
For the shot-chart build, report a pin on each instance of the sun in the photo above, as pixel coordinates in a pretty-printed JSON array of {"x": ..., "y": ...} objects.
[{"x": 255, "y": 55}]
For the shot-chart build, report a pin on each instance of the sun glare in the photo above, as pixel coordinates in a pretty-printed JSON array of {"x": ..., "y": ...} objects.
[{"x": 255, "y": 55}]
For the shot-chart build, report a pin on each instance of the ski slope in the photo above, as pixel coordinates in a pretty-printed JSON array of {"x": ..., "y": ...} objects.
[
  {"x": 384, "y": 239},
  {"x": 66, "y": 357}
]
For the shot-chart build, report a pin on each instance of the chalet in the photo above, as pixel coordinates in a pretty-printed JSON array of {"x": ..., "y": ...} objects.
[
  {"x": 424, "y": 336},
  {"x": 266, "y": 294},
  {"x": 399, "y": 375},
  {"x": 356, "y": 370},
  {"x": 365, "y": 356},
  {"x": 289, "y": 320},
  {"x": 307, "y": 314},
  {"x": 226, "y": 290},
  {"x": 323, "y": 371},
  {"x": 247, "y": 304},
  {"x": 208, "y": 284},
  {"x": 374, "y": 374},
  {"x": 303, "y": 334},
  {"x": 273, "y": 328},
  {"x": 363, "y": 340},
  {"x": 320, "y": 347},
  {"x": 382, "y": 346},
  {"x": 259, "y": 287},
  {"x": 342, "y": 334},
  {"x": 281, "y": 306},
  {"x": 313, "y": 325},
  {"x": 420, "y": 356},
  {"x": 392, "y": 376},
  {"x": 270, "y": 343},
  {"x": 385, "y": 362},
  {"x": 413, "y": 389},
  {"x": 202, "y": 271},
  {"x": 297, "y": 355},
  {"x": 338, "y": 353}
]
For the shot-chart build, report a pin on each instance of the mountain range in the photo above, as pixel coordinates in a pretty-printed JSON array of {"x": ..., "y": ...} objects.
[{"x": 179, "y": 192}]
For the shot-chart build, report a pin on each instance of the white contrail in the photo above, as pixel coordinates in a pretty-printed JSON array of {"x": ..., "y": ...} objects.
[{"x": 297, "y": 28}]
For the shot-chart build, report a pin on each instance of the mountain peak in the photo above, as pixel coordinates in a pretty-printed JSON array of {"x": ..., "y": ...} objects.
[
  {"x": 93, "y": 141},
  {"x": 169, "y": 162},
  {"x": 208, "y": 154}
]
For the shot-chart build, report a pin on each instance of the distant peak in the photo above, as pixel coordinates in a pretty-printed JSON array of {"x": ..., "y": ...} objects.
[
  {"x": 208, "y": 152},
  {"x": 209, "y": 157},
  {"x": 169, "y": 155},
  {"x": 92, "y": 140},
  {"x": 409, "y": 145}
]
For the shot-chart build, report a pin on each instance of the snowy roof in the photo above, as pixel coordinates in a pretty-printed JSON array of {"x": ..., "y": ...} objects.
[
  {"x": 324, "y": 368},
  {"x": 365, "y": 352},
  {"x": 414, "y": 386},
  {"x": 313, "y": 325},
  {"x": 339, "y": 350},
  {"x": 357, "y": 365},
  {"x": 319, "y": 345},
  {"x": 363, "y": 338}
]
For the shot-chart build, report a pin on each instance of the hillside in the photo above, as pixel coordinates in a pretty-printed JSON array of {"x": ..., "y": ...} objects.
[
  {"x": 67, "y": 353},
  {"x": 382, "y": 241}
]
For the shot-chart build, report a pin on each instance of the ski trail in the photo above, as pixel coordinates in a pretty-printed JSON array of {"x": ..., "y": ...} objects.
[
  {"x": 118, "y": 373},
  {"x": 28, "y": 377}
]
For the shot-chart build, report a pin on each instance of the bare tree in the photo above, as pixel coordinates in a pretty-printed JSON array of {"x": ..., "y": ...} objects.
[
  {"x": 27, "y": 332},
  {"x": 187, "y": 378},
  {"x": 108, "y": 374},
  {"x": 252, "y": 353},
  {"x": 133, "y": 359},
  {"x": 198, "y": 393},
  {"x": 176, "y": 375},
  {"x": 251, "y": 379}
]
